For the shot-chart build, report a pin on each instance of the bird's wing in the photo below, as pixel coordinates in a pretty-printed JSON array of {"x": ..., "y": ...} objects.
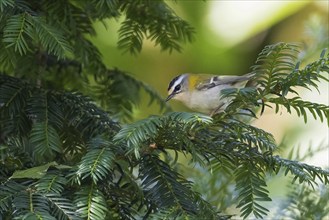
[{"x": 221, "y": 80}]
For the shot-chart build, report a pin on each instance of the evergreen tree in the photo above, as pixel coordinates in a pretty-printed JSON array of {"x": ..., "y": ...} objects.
[{"x": 67, "y": 151}]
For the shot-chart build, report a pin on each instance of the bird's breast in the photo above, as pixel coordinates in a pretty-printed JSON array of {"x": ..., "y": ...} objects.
[{"x": 204, "y": 101}]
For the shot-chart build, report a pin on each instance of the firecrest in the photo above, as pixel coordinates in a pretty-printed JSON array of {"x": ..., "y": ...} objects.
[{"x": 202, "y": 92}]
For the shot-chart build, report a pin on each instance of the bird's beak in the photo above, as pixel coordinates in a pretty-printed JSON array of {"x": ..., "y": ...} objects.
[{"x": 170, "y": 97}]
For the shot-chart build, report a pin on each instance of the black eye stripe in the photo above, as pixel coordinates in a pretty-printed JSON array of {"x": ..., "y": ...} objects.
[
  {"x": 177, "y": 88},
  {"x": 172, "y": 82}
]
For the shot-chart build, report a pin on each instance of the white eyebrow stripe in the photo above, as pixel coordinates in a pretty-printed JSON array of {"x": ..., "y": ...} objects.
[{"x": 177, "y": 82}]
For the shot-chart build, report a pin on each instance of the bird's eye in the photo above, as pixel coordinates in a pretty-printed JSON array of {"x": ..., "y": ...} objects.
[{"x": 177, "y": 88}]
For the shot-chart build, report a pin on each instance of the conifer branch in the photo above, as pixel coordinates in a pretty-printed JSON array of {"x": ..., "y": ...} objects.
[{"x": 102, "y": 167}]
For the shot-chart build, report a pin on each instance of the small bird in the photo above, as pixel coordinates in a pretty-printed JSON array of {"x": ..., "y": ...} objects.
[{"x": 202, "y": 92}]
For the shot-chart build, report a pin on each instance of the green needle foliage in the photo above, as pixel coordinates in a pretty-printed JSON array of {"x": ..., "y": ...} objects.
[{"x": 67, "y": 151}]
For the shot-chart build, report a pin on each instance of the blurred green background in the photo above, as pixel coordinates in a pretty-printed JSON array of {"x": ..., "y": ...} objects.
[{"x": 228, "y": 37}]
